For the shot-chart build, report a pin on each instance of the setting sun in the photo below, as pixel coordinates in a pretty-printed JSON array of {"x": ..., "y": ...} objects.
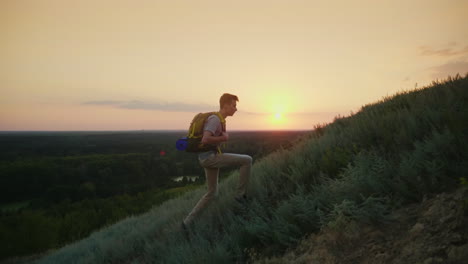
[
  {"x": 278, "y": 104},
  {"x": 278, "y": 116}
]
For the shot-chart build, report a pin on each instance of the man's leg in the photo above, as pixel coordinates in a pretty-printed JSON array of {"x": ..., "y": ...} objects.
[
  {"x": 229, "y": 160},
  {"x": 212, "y": 182}
]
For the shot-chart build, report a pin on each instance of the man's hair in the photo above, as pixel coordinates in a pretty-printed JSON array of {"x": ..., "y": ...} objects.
[{"x": 227, "y": 99}]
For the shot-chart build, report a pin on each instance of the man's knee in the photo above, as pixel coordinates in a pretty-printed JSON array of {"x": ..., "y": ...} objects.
[{"x": 248, "y": 160}]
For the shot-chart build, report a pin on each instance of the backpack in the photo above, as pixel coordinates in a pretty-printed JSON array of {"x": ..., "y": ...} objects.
[{"x": 192, "y": 143}]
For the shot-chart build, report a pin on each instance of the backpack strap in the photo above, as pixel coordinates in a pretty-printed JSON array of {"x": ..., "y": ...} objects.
[
  {"x": 223, "y": 128},
  {"x": 223, "y": 121}
]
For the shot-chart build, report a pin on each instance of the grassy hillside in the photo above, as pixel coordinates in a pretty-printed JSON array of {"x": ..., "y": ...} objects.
[{"x": 358, "y": 168}]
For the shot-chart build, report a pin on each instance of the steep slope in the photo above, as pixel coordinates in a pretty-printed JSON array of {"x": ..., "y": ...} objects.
[
  {"x": 358, "y": 169},
  {"x": 433, "y": 231}
]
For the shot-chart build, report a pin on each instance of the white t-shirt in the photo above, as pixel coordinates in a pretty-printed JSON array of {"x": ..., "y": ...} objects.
[{"x": 212, "y": 124}]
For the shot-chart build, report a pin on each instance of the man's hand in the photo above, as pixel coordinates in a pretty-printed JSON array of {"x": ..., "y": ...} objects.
[
  {"x": 208, "y": 138},
  {"x": 225, "y": 136}
]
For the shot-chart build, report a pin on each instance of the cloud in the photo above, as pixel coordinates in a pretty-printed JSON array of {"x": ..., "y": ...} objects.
[
  {"x": 254, "y": 113},
  {"x": 291, "y": 113},
  {"x": 155, "y": 106},
  {"x": 101, "y": 103},
  {"x": 451, "y": 68},
  {"x": 451, "y": 50},
  {"x": 197, "y": 108}
]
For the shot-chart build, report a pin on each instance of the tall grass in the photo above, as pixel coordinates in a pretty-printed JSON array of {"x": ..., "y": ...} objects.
[{"x": 357, "y": 168}]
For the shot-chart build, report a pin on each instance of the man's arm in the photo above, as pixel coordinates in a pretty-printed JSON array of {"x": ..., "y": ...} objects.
[{"x": 208, "y": 138}]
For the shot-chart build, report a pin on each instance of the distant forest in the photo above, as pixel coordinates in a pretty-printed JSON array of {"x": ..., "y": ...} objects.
[{"x": 56, "y": 187}]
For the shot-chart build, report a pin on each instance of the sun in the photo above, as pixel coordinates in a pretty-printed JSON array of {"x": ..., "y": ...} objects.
[
  {"x": 278, "y": 105},
  {"x": 278, "y": 116}
]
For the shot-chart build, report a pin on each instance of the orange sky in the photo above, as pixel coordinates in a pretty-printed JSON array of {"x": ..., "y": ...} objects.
[{"x": 147, "y": 64}]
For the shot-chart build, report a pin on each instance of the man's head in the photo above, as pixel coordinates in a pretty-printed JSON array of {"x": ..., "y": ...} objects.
[{"x": 227, "y": 104}]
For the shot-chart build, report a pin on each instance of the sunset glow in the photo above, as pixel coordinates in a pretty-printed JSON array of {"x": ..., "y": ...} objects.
[{"x": 131, "y": 65}]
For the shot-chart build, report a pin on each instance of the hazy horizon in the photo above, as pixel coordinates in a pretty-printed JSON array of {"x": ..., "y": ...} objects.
[{"x": 144, "y": 130}]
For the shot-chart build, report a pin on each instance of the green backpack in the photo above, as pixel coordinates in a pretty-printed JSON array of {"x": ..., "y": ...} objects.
[{"x": 195, "y": 133}]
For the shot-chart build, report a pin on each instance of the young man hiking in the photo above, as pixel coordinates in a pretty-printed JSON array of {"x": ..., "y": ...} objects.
[{"x": 214, "y": 133}]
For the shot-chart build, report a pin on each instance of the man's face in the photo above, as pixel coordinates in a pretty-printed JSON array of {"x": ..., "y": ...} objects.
[{"x": 231, "y": 108}]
